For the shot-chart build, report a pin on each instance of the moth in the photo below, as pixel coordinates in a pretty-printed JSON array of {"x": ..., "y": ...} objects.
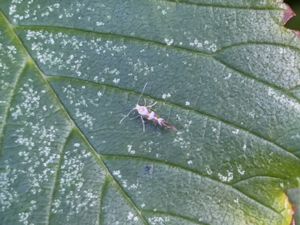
[{"x": 145, "y": 112}]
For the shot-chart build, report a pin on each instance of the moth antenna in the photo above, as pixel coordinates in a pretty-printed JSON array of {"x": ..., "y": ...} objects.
[
  {"x": 136, "y": 103},
  {"x": 142, "y": 93}
]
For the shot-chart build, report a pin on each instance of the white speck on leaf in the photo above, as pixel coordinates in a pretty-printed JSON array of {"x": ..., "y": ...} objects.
[
  {"x": 208, "y": 170},
  {"x": 116, "y": 80},
  {"x": 169, "y": 41},
  {"x": 99, "y": 94},
  {"x": 241, "y": 170},
  {"x": 236, "y": 131},
  {"x": 117, "y": 173},
  {"x": 98, "y": 24},
  {"x": 157, "y": 220},
  {"x": 228, "y": 76},
  {"x": 226, "y": 178},
  {"x": 164, "y": 96},
  {"x": 129, "y": 149},
  {"x": 76, "y": 145}
]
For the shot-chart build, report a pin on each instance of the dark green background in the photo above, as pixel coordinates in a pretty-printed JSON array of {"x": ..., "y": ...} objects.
[{"x": 294, "y": 23}]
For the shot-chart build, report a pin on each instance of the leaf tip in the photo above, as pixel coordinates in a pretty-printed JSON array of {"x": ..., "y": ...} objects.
[
  {"x": 288, "y": 14},
  {"x": 292, "y": 198}
]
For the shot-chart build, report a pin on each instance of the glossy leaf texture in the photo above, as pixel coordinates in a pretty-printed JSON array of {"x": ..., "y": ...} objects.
[{"x": 224, "y": 72}]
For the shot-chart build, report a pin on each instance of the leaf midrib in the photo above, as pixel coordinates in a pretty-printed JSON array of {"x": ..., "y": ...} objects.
[{"x": 96, "y": 156}]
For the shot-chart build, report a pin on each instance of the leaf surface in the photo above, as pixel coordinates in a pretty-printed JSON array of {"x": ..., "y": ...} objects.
[{"x": 225, "y": 73}]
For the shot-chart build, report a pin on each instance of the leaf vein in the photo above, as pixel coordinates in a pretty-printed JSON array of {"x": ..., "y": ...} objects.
[
  {"x": 157, "y": 212},
  {"x": 102, "y": 164},
  {"x": 213, "y": 56},
  {"x": 56, "y": 177},
  {"x": 6, "y": 111},
  {"x": 162, "y": 162},
  {"x": 257, "y": 176},
  {"x": 198, "y": 4},
  {"x": 102, "y": 194},
  {"x": 181, "y": 106}
]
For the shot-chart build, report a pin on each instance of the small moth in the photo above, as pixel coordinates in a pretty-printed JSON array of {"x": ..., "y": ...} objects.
[{"x": 145, "y": 113}]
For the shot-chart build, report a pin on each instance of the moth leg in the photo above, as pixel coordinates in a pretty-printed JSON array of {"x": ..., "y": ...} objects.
[
  {"x": 153, "y": 104},
  {"x": 143, "y": 122},
  {"x": 135, "y": 117},
  {"x": 126, "y": 115}
]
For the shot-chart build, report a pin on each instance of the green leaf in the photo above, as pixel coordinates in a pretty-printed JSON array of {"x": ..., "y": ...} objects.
[{"x": 225, "y": 73}]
